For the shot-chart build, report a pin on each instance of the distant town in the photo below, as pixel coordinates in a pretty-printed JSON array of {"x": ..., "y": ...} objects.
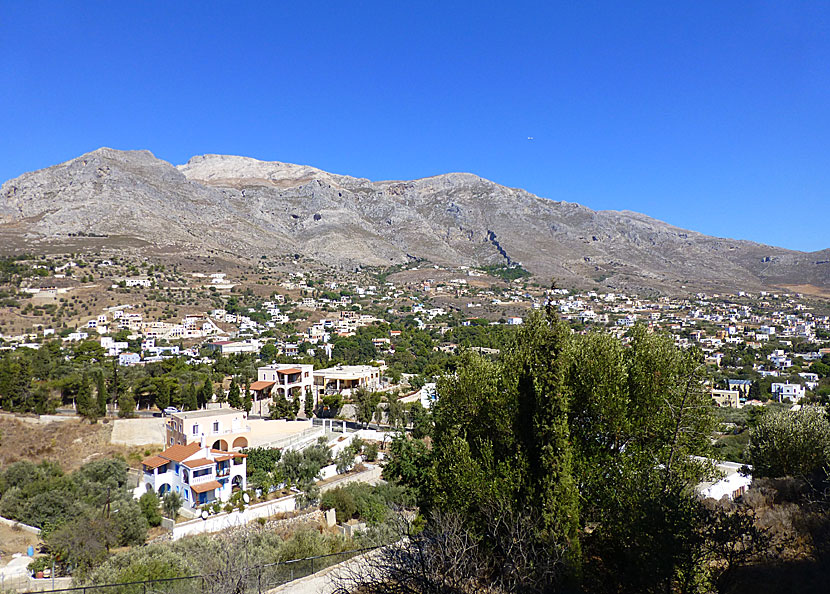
[{"x": 231, "y": 394}]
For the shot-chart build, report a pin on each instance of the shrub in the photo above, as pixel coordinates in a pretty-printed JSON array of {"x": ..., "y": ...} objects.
[
  {"x": 790, "y": 443},
  {"x": 149, "y": 503}
]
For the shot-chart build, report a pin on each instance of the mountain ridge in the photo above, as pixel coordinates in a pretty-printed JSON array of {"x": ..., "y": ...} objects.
[{"x": 250, "y": 208}]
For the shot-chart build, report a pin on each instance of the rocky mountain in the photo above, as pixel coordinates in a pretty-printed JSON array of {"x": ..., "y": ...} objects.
[{"x": 248, "y": 208}]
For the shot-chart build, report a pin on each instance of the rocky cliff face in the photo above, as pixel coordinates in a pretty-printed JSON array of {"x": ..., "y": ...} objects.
[{"x": 249, "y": 208}]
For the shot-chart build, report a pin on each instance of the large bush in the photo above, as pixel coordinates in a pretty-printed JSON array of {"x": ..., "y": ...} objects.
[{"x": 789, "y": 443}]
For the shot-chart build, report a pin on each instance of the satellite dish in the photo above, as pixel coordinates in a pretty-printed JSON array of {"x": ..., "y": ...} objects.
[
  {"x": 246, "y": 498},
  {"x": 204, "y": 514}
]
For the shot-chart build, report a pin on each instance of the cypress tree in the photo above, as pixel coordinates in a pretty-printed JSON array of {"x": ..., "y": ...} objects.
[
  {"x": 205, "y": 393},
  {"x": 190, "y": 399},
  {"x": 234, "y": 398},
  {"x": 101, "y": 390},
  {"x": 539, "y": 365},
  {"x": 87, "y": 405}
]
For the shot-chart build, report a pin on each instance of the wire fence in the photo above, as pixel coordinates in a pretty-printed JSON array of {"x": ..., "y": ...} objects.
[{"x": 248, "y": 580}]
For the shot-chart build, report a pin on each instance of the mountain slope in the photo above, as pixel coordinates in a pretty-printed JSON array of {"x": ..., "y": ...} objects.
[{"x": 249, "y": 207}]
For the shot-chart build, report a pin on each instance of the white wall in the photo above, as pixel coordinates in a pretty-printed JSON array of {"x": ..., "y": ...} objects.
[{"x": 235, "y": 518}]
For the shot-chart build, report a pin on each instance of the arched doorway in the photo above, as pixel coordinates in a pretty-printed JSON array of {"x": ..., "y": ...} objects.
[
  {"x": 236, "y": 483},
  {"x": 164, "y": 489},
  {"x": 240, "y": 442},
  {"x": 220, "y": 444}
]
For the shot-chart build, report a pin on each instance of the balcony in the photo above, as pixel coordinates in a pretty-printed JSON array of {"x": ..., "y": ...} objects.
[{"x": 206, "y": 478}]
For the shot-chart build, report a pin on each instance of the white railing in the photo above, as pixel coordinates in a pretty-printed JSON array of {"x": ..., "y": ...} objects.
[{"x": 197, "y": 480}]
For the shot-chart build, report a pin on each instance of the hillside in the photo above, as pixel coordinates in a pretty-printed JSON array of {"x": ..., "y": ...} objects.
[{"x": 248, "y": 208}]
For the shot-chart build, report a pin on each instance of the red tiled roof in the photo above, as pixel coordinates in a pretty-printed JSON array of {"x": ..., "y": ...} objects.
[
  {"x": 197, "y": 463},
  {"x": 208, "y": 486},
  {"x": 290, "y": 370},
  {"x": 154, "y": 461},
  {"x": 261, "y": 385},
  {"x": 179, "y": 453}
]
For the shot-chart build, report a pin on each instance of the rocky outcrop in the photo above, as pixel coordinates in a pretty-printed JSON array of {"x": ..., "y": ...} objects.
[{"x": 250, "y": 208}]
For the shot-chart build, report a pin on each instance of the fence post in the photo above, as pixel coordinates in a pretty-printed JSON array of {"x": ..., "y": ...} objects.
[
  {"x": 144, "y": 585},
  {"x": 312, "y": 566}
]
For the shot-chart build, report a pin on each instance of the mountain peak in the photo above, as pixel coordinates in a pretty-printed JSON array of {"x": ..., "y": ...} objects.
[{"x": 234, "y": 171}]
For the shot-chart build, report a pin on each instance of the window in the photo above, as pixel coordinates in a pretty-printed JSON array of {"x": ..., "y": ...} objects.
[
  {"x": 171, "y": 441},
  {"x": 216, "y": 426},
  {"x": 196, "y": 429}
]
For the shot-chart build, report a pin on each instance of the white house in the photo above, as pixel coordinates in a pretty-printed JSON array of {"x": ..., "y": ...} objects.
[
  {"x": 282, "y": 379},
  {"x": 732, "y": 484},
  {"x": 199, "y": 474},
  {"x": 224, "y": 428},
  {"x": 794, "y": 392},
  {"x": 345, "y": 378},
  {"x": 129, "y": 359}
]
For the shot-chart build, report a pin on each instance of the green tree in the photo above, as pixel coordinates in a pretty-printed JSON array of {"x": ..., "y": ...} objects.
[
  {"x": 282, "y": 408},
  {"x": 83, "y": 543},
  {"x": 190, "y": 400},
  {"x": 395, "y": 415},
  {"x": 205, "y": 393},
  {"x": 537, "y": 372},
  {"x": 308, "y": 402},
  {"x": 149, "y": 503},
  {"x": 129, "y": 522},
  {"x": 786, "y": 443},
  {"x": 234, "y": 398},
  {"x": 567, "y": 431},
  {"x": 87, "y": 405},
  {"x": 171, "y": 504},
  {"x": 126, "y": 405},
  {"x": 101, "y": 393},
  {"x": 366, "y": 402}
]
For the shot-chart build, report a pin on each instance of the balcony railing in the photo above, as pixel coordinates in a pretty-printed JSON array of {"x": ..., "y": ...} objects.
[{"x": 196, "y": 480}]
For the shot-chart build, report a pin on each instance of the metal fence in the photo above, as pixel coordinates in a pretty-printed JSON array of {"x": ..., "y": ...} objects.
[{"x": 249, "y": 580}]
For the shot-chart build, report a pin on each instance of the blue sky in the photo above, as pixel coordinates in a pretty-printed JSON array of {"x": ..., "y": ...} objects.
[{"x": 714, "y": 116}]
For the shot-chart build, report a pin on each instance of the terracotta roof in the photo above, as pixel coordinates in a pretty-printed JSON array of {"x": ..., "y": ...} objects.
[
  {"x": 208, "y": 486},
  {"x": 290, "y": 370},
  {"x": 179, "y": 453},
  {"x": 261, "y": 385},
  {"x": 197, "y": 463},
  {"x": 154, "y": 461}
]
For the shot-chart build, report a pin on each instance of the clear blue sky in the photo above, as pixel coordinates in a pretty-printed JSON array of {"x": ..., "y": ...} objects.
[{"x": 714, "y": 116}]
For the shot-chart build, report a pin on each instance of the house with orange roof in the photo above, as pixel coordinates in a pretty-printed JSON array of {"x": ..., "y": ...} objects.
[
  {"x": 198, "y": 473},
  {"x": 282, "y": 379}
]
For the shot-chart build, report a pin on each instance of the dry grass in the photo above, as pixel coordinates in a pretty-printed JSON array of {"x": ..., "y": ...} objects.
[
  {"x": 811, "y": 290},
  {"x": 70, "y": 443},
  {"x": 15, "y": 540}
]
